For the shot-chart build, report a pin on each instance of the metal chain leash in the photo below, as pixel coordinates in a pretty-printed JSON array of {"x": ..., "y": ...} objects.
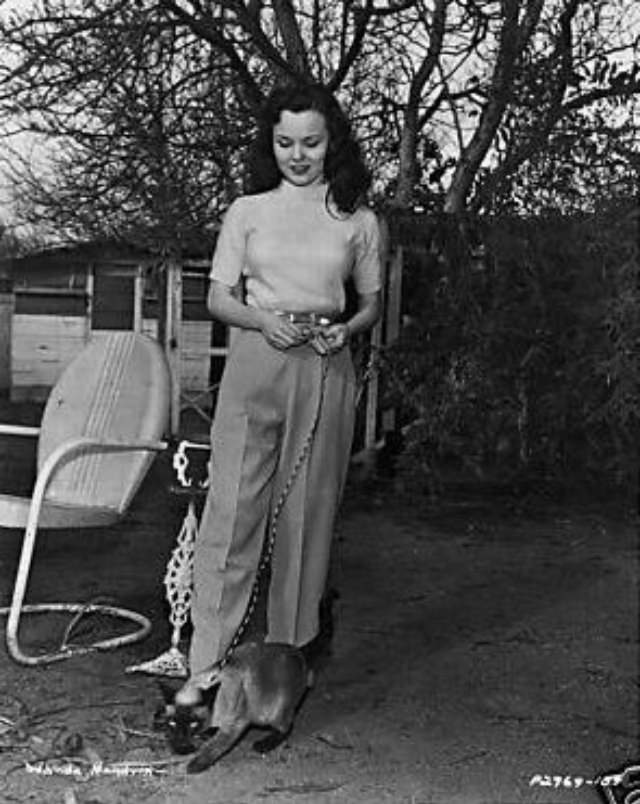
[
  {"x": 370, "y": 371},
  {"x": 267, "y": 553},
  {"x": 179, "y": 574}
]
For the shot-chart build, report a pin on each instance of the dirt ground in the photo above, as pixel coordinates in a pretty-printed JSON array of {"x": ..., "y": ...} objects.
[{"x": 485, "y": 653}]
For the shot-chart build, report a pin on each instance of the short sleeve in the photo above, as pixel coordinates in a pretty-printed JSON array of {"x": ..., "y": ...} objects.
[
  {"x": 367, "y": 269},
  {"x": 229, "y": 255}
]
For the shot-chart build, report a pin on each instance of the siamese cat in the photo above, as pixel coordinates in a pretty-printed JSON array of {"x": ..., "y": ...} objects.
[{"x": 261, "y": 684}]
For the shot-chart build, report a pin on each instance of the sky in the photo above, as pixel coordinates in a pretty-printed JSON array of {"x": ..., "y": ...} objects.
[{"x": 20, "y": 142}]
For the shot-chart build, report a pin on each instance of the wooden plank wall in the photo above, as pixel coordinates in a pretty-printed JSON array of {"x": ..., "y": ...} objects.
[
  {"x": 195, "y": 355},
  {"x": 194, "y": 352},
  {"x": 41, "y": 347},
  {"x": 50, "y": 327}
]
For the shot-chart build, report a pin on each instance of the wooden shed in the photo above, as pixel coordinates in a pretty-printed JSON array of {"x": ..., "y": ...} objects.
[{"x": 61, "y": 298}]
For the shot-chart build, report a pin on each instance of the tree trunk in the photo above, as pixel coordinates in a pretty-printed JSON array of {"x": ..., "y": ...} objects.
[
  {"x": 407, "y": 168},
  {"x": 513, "y": 39},
  {"x": 291, "y": 36}
]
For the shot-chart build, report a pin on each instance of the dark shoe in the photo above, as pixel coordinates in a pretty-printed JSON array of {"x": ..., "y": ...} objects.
[{"x": 319, "y": 649}]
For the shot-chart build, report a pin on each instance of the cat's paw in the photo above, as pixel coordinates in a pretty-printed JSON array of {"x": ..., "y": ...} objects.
[{"x": 269, "y": 743}]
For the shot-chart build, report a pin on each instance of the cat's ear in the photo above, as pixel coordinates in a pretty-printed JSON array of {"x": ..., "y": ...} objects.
[
  {"x": 167, "y": 691},
  {"x": 206, "y": 679},
  {"x": 191, "y": 693}
]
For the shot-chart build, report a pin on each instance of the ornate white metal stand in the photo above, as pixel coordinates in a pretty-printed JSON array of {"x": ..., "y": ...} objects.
[{"x": 178, "y": 579}]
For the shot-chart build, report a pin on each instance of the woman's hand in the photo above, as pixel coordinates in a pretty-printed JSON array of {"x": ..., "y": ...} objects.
[
  {"x": 330, "y": 339},
  {"x": 280, "y": 333}
]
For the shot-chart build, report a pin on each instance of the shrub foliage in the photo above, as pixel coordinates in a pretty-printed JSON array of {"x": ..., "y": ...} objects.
[{"x": 519, "y": 358}]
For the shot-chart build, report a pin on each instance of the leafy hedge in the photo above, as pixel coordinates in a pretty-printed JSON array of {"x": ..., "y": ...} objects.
[{"x": 519, "y": 358}]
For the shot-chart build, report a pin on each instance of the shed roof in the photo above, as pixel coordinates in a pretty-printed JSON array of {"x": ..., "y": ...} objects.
[{"x": 64, "y": 261}]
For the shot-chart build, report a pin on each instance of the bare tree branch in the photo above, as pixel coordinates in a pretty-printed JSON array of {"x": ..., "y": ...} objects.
[
  {"x": 209, "y": 29},
  {"x": 408, "y": 140},
  {"x": 293, "y": 44},
  {"x": 362, "y": 17},
  {"x": 509, "y": 47},
  {"x": 531, "y": 140},
  {"x": 140, "y": 98}
]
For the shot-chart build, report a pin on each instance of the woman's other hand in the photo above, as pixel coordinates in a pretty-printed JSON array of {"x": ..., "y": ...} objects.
[{"x": 331, "y": 339}]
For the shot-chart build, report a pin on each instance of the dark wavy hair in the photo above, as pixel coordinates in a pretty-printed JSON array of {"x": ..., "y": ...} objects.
[{"x": 344, "y": 168}]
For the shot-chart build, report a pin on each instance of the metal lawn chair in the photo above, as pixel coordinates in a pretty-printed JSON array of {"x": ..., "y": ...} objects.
[{"x": 100, "y": 430}]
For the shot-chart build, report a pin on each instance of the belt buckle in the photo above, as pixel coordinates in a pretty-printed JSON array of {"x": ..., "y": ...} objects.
[{"x": 315, "y": 319}]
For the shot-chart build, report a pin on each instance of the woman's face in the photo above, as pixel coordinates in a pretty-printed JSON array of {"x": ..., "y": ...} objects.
[{"x": 300, "y": 142}]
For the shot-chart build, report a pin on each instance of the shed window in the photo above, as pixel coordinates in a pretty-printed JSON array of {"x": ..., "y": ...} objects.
[{"x": 113, "y": 301}]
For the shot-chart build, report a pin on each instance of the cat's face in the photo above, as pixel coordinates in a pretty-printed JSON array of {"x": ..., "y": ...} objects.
[{"x": 184, "y": 726}]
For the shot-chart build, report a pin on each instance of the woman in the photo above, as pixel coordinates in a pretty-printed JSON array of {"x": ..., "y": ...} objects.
[{"x": 294, "y": 241}]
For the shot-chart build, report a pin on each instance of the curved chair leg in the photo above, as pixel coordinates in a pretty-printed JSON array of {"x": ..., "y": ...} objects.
[{"x": 24, "y": 566}]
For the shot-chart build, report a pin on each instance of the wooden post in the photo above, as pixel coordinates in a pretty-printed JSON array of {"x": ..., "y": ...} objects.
[
  {"x": 6, "y": 318},
  {"x": 385, "y": 331},
  {"x": 371, "y": 410},
  {"x": 172, "y": 336},
  {"x": 138, "y": 295},
  {"x": 392, "y": 319},
  {"x": 89, "y": 290}
]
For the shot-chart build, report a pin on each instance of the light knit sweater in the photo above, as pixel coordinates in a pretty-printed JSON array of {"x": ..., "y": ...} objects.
[{"x": 295, "y": 254}]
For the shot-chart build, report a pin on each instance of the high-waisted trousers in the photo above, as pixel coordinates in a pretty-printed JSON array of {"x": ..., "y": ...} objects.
[{"x": 266, "y": 406}]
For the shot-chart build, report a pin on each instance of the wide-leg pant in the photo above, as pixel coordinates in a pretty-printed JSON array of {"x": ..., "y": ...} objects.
[{"x": 266, "y": 407}]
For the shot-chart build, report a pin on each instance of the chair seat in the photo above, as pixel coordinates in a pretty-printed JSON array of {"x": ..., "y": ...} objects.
[{"x": 15, "y": 510}]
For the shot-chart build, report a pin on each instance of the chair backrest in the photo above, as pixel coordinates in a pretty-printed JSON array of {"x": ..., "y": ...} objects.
[{"x": 118, "y": 387}]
